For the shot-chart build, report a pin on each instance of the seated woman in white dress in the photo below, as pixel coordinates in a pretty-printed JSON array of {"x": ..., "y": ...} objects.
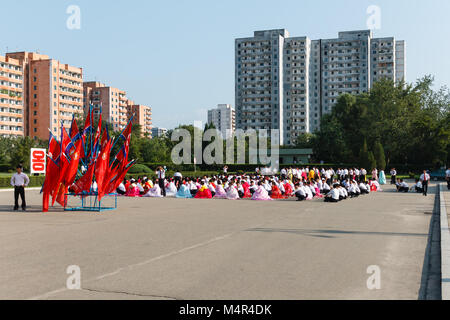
[
  {"x": 232, "y": 192},
  {"x": 171, "y": 189},
  {"x": 154, "y": 192}
]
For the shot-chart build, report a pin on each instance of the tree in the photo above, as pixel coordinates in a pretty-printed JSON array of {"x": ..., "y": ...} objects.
[
  {"x": 364, "y": 160},
  {"x": 407, "y": 123},
  {"x": 372, "y": 163},
  {"x": 380, "y": 158},
  {"x": 305, "y": 141}
]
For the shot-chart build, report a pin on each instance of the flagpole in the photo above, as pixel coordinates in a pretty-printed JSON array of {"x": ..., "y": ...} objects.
[{"x": 129, "y": 121}]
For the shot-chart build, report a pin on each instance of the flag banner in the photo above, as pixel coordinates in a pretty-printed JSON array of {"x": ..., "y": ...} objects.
[{"x": 81, "y": 158}]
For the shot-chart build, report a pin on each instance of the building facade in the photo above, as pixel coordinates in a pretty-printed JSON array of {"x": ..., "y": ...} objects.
[
  {"x": 53, "y": 93},
  {"x": 289, "y": 83},
  {"x": 158, "y": 132},
  {"x": 110, "y": 102},
  {"x": 12, "y": 106},
  {"x": 223, "y": 118},
  {"x": 142, "y": 116}
]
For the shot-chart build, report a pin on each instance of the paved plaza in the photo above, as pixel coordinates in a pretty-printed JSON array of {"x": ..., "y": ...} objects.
[{"x": 218, "y": 249}]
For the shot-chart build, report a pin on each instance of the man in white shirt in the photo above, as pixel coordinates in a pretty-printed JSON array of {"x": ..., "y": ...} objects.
[
  {"x": 333, "y": 195},
  {"x": 161, "y": 174},
  {"x": 425, "y": 178},
  {"x": 19, "y": 181},
  {"x": 300, "y": 193}
]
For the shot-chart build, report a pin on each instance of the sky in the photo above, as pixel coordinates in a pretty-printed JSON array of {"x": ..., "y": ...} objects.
[{"x": 178, "y": 56}]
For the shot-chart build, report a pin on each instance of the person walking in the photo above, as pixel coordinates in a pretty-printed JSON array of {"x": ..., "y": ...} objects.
[
  {"x": 19, "y": 181},
  {"x": 425, "y": 178},
  {"x": 161, "y": 173}
]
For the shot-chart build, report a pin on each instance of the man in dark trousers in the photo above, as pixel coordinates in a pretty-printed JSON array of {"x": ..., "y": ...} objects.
[
  {"x": 161, "y": 173},
  {"x": 425, "y": 178},
  {"x": 19, "y": 181}
]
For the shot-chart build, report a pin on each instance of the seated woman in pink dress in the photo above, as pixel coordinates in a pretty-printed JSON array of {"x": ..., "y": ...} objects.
[
  {"x": 261, "y": 194},
  {"x": 133, "y": 190},
  {"x": 220, "y": 191}
]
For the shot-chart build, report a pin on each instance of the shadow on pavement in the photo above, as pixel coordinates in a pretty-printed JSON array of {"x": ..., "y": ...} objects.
[{"x": 334, "y": 233}]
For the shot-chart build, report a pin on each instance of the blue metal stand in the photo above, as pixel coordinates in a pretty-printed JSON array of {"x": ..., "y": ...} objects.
[{"x": 90, "y": 203}]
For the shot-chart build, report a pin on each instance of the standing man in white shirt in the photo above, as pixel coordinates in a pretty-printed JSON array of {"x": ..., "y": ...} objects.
[
  {"x": 19, "y": 181},
  {"x": 161, "y": 174},
  {"x": 425, "y": 178}
]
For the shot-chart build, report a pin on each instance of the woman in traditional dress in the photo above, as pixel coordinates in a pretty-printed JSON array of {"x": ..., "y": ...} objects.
[
  {"x": 232, "y": 193},
  {"x": 261, "y": 194},
  {"x": 247, "y": 193},
  {"x": 276, "y": 193},
  {"x": 184, "y": 192},
  {"x": 203, "y": 192},
  {"x": 133, "y": 190},
  {"x": 375, "y": 174},
  {"x": 171, "y": 190},
  {"x": 154, "y": 192},
  {"x": 220, "y": 191},
  {"x": 289, "y": 191},
  {"x": 382, "y": 178}
]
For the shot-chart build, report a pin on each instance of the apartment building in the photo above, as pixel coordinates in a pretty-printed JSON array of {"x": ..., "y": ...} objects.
[
  {"x": 289, "y": 83},
  {"x": 12, "y": 117},
  {"x": 259, "y": 81},
  {"x": 142, "y": 115},
  {"x": 223, "y": 118},
  {"x": 53, "y": 93},
  {"x": 109, "y": 101},
  {"x": 158, "y": 132}
]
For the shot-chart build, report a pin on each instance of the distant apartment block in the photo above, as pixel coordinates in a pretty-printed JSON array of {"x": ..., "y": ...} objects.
[
  {"x": 109, "y": 101},
  {"x": 289, "y": 83},
  {"x": 142, "y": 116},
  {"x": 223, "y": 119},
  {"x": 158, "y": 132},
  {"x": 12, "y": 106},
  {"x": 53, "y": 93}
]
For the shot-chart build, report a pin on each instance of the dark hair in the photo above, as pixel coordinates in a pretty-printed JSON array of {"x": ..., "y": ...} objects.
[{"x": 19, "y": 166}]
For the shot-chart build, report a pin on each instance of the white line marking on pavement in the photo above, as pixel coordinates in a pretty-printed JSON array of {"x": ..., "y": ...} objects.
[{"x": 130, "y": 267}]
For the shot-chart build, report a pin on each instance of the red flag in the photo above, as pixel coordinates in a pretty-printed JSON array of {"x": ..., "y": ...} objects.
[
  {"x": 98, "y": 132},
  {"x": 126, "y": 136},
  {"x": 52, "y": 170},
  {"x": 104, "y": 139},
  {"x": 73, "y": 166},
  {"x": 113, "y": 185},
  {"x": 74, "y": 132},
  {"x": 101, "y": 170},
  {"x": 61, "y": 197},
  {"x": 63, "y": 164},
  {"x": 84, "y": 183}
]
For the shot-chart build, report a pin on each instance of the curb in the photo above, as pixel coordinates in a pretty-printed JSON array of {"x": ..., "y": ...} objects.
[{"x": 445, "y": 247}]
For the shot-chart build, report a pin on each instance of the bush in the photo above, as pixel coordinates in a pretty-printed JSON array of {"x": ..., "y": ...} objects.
[
  {"x": 35, "y": 182},
  {"x": 140, "y": 168}
]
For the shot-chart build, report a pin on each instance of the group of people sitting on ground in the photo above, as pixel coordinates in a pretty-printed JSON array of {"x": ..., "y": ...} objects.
[
  {"x": 303, "y": 184},
  {"x": 421, "y": 185}
]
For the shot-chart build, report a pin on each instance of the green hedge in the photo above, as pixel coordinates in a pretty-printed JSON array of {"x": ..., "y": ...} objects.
[
  {"x": 5, "y": 182},
  {"x": 140, "y": 168}
]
